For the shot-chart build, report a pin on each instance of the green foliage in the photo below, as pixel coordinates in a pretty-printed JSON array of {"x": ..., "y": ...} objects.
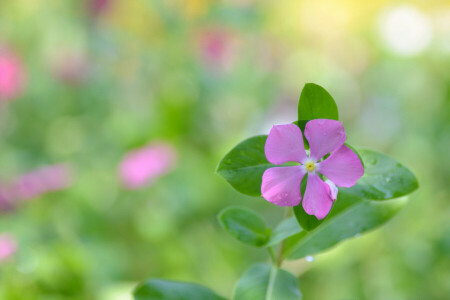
[
  {"x": 316, "y": 103},
  {"x": 307, "y": 222},
  {"x": 157, "y": 289},
  {"x": 384, "y": 178},
  {"x": 244, "y": 225},
  {"x": 350, "y": 216},
  {"x": 262, "y": 281},
  {"x": 244, "y": 165},
  {"x": 285, "y": 229}
]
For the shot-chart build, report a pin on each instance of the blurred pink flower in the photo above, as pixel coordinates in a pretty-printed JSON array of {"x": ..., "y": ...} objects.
[
  {"x": 7, "y": 246},
  {"x": 42, "y": 180},
  {"x": 142, "y": 166},
  {"x": 12, "y": 75},
  {"x": 216, "y": 47},
  {"x": 34, "y": 184},
  {"x": 97, "y": 7}
]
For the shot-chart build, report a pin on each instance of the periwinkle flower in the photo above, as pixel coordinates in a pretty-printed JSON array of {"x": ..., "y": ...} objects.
[
  {"x": 281, "y": 185},
  {"x": 12, "y": 75},
  {"x": 142, "y": 166}
]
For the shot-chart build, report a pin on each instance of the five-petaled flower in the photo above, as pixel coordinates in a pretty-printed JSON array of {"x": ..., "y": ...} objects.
[{"x": 281, "y": 185}]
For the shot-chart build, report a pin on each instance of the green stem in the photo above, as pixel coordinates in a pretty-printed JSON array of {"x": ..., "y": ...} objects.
[
  {"x": 279, "y": 259},
  {"x": 271, "y": 284},
  {"x": 273, "y": 256}
]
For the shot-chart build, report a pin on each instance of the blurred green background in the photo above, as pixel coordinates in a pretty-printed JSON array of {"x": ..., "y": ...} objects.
[{"x": 104, "y": 77}]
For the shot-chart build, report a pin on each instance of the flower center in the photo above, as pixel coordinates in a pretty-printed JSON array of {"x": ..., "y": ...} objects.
[{"x": 310, "y": 166}]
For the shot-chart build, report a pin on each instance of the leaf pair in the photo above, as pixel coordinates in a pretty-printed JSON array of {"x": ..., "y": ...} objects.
[{"x": 261, "y": 281}]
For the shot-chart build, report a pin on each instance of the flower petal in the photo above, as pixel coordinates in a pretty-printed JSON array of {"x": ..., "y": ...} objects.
[
  {"x": 332, "y": 189},
  {"x": 343, "y": 167},
  {"x": 324, "y": 136},
  {"x": 317, "y": 200},
  {"x": 281, "y": 185},
  {"x": 285, "y": 144}
]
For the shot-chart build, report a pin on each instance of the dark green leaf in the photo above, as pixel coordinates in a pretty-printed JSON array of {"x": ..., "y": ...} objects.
[
  {"x": 316, "y": 103},
  {"x": 285, "y": 229},
  {"x": 245, "y": 225},
  {"x": 263, "y": 282},
  {"x": 244, "y": 166},
  {"x": 307, "y": 222},
  {"x": 384, "y": 178},
  {"x": 157, "y": 289},
  {"x": 352, "y": 217}
]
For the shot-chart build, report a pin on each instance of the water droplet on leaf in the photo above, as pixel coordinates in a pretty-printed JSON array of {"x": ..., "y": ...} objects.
[{"x": 309, "y": 258}]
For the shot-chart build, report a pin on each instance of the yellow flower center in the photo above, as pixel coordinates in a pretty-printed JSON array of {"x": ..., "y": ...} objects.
[{"x": 310, "y": 166}]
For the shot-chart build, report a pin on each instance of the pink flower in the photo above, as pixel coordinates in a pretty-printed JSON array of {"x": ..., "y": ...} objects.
[
  {"x": 281, "y": 185},
  {"x": 34, "y": 184},
  {"x": 217, "y": 48},
  {"x": 12, "y": 75},
  {"x": 142, "y": 166},
  {"x": 40, "y": 181},
  {"x": 7, "y": 246},
  {"x": 97, "y": 7}
]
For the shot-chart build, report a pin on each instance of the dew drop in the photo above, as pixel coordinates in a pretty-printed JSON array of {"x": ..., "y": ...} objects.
[
  {"x": 388, "y": 179},
  {"x": 309, "y": 258}
]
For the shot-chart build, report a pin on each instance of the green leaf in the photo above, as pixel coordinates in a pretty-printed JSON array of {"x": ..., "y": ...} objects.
[
  {"x": 263, "y": 282},
  {"x": 307, "y": 222},
  {"x": 316, "y": 103},
  {"x": 158, "y": 289},
  {"x": 285, "y": 229},
  {"x": 244, "y": 165},
  {"x": 245, "y": 225},
  {"x": 353, "y": 216},
  {"x": 384, "y": 178}
]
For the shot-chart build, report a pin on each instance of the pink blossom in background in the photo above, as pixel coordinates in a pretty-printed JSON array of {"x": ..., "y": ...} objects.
[
  {"x": 6, "y": 201},
  {"x": 281, "y": 185},
  {"x": 216, "y": 47},
  {"x": 34, "y": 184},
  {"x": 142, "y": 166},
  {"x": 8, "y": 246},
  {"x": 42, "y": 180},
  {"x": 12, "y": 75},
  {"x": 97, "y": 7}
]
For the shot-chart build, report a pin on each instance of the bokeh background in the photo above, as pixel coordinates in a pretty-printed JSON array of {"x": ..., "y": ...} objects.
[{"x": 114, "y": 114}]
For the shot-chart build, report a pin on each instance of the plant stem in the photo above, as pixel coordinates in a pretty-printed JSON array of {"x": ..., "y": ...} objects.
[
  {"x": 279, "y": 259},
  {"x": 272, "y": 255},
  {"x": 272, "y": 276}
]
